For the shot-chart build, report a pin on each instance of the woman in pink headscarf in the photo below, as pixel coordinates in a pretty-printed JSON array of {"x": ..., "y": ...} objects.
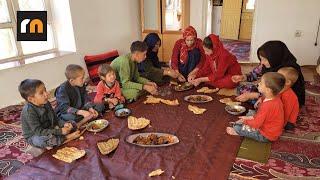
[
  {"x": 220, "y": 65},
  {"x": 188, "y": 54}
]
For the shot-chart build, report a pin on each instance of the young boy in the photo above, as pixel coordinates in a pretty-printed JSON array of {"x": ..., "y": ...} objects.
[
  {"x": 108, "y": 89},
  {"x": 267, "y": 124},
  {"x": 72, "y": 104},
  {"x": 127, "y": 72},
  {"x": 39, "y": 122},
  {"x": 289, "y": 98}
]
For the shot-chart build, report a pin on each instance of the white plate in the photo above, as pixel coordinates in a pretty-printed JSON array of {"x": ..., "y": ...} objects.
[
  {"x": 103, "y": 123},
  {"x": 209, "y": 98},
  {"x": 240, "y": 109},
  {"x": 130, "y": 139}
]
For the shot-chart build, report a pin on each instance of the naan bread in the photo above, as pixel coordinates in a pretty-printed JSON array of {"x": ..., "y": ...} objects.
[
  {"x": 196, "y": 110},
  {"x": 157, "y": 172},
  {"x": 108, "y": 146},
  {"x": 137, "y": 123},
  {"x": 69, "y": 154},
  {"x": 170, "y": 103},
  {"x": 227, "y": 92},
  {"x": 207, "y": 90},
  {"x": 229, "y": 102},
  {"x": 152, "y": 100}
]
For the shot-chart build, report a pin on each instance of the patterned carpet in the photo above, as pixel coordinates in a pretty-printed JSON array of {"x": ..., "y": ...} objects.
[
  {"x": 295, "y": 156},
  {"x": 241, "y": 49}
]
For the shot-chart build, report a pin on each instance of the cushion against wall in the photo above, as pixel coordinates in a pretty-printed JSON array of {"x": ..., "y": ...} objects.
[{"x": 93, "y": 62}]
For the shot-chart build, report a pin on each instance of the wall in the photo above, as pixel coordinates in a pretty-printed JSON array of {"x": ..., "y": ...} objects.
[
  {"x": 99, "y": 25},
  {"x": 279, "y": 19}
]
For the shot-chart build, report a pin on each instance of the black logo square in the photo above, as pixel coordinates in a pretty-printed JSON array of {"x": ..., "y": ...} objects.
[{"x": 31, "y": 25}]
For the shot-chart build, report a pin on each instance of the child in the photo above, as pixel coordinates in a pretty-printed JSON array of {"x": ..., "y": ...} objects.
[
  {"x": 108, "y": 89},
  {"x": 72, "y": 104},
  {"x": 289, "y": 98},
  {"x": 267, "y": 124},
  {"x": 126, "y": 69},
  {"x": 39, "y": 122}
]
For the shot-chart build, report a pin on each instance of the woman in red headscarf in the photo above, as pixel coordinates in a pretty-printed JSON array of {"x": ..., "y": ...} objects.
[
  {"x": 188, "y": 54},
  {"x": 219, "y": 67}
]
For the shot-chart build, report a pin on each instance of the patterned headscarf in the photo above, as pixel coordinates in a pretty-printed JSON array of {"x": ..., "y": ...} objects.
[{"x": 189, "y": 31}]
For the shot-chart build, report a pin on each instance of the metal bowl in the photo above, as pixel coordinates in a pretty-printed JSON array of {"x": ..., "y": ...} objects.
[
  {"x": 235, "y": 109},
  {"x": 123, "y": 112},
  {"x": 100, "y": 124}
]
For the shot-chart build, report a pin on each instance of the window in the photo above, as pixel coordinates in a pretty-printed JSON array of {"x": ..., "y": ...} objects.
[
  {"x": 12, "y": 52},
  {"x": 250, "y": 4}
]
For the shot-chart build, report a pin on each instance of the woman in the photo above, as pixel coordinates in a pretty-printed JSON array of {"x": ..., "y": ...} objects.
[
  {"x": 273, "y": 55},
  {"x": 151, "y": 68},
  {"x": 219, "y": 67},
  {"x": 188, "y": 54}
]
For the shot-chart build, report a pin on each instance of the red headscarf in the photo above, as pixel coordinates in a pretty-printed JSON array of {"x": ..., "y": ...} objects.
[
  {"x": 218, "y": 49},
  {"x": 189, "y": 31}
]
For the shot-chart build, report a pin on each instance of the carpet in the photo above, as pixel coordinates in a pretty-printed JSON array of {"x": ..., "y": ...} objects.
[
  {"x": 241, "y": 49},
  {"x": 254, "y": 150}
]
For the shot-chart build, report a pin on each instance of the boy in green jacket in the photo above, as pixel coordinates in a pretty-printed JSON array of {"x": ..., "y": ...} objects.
[{"x": 132, "y": 85}]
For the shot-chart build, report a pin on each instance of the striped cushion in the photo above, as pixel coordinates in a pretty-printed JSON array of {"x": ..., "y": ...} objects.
[{"x": 93, "y": 62}]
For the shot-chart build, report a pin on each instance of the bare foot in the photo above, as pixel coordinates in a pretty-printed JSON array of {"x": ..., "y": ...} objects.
[
  {"x": 231, "y": 131},
  {"x": 73, "y": 135}
]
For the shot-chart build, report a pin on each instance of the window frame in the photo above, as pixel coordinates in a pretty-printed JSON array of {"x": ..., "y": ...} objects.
[{"x": 13, "y": 7}]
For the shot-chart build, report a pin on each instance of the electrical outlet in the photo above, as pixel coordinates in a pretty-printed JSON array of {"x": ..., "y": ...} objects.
[{"x": 298, "y": 33}]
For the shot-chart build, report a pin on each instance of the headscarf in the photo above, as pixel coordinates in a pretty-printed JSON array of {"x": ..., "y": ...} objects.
[
  {"x": 151, "y": 40},
  {"x": 189, "y": 31},
  {"x": 280, "y": 56}
]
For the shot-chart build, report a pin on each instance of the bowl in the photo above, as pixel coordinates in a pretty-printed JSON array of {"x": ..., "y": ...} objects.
[
  {"x": 235, "y": 109},
  {"x": 122, "y": 113}
]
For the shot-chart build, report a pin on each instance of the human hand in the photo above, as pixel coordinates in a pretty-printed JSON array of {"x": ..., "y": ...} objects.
[{"x": 238, "y": 78}]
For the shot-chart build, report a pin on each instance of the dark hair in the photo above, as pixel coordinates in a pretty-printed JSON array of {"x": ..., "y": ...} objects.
[
  {"x": 138, "y": 46},
  {"x": 104, "y": 69},
  {"x": 207, "y": 43},
  {"x": 262, "y": 54},
  {"x": 275, "y": 81},
  {"x": 28, "y": 87},
  {"x": 72, "y": 71}
]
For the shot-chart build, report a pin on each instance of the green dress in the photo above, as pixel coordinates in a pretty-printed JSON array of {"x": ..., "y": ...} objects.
[
  {"x": 153, "y": 73},
  {"x": 128, "y": 76}
]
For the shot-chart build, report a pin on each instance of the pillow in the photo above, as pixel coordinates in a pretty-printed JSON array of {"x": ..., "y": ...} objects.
[{"x": 93, "y": 62}]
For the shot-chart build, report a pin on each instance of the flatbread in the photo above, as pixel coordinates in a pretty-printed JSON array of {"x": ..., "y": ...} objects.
[
  {"x": 152, "y": 100},
  {"x": 196, "y": 110},
  {"x": 207, "y": 90},
  {"x": 170, "y": 103},
  {"x": 229, "y": 102},
  {"x": 227, "y": 92},
  {"x": 157, "y": 172},
  {"x": 108, "y": 146},
  {"x": 69, "y": 154},
  {"x": 137, "y": 123}
]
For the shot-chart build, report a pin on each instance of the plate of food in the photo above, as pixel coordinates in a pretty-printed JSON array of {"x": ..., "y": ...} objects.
[
  {"x": 152, "y": 139},
  {"x": 183, "y": 87},
  {"x": 123, "y": 112},
  {"x": 235, "y": 109},
  {"x": 198, "y": 98},
  {"x": 97, "y": 125}
]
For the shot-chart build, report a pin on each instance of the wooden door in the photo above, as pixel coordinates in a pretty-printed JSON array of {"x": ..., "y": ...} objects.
[
  {"x": 175, "y": 17},
  {"x": 230, "y": 20},
  {"x": 151, "y": 19},
  {"x": 246, "y": 22}
]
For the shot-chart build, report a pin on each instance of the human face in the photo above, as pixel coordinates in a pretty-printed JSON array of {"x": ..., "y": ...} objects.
[
  {"x": 207, "y": 51},
  {"x": 139, "y": 56},
  {"x": 79, "y": 80},
  {"x": 189, "y": 41},
  {"x": 156, "y": 47},
  {"x": 110, "y": 77},
  {"x": 40, "y": 97},
  {"x": 262, "y": 86},
  {"x": 264, "y": 61}
]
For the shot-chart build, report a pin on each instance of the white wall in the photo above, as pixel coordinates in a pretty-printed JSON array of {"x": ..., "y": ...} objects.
[
  {"x": 99, "y": 25},
  {"x": 197, "y": 17},
  {"x": 279, "y": 19}
]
